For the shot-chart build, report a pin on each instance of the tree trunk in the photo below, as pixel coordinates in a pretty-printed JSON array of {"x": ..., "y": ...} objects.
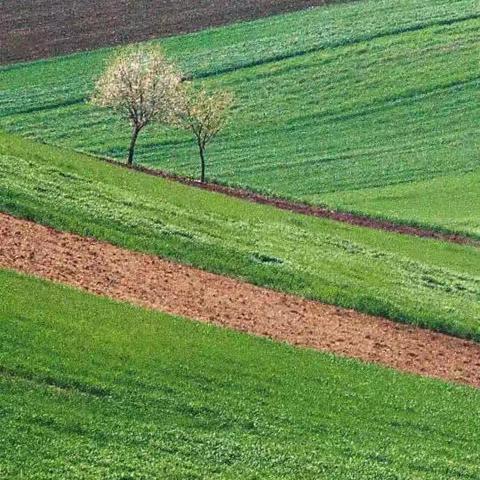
[
  {"x": 202, "y": 159},
  {"x": 131, "y": 150}
]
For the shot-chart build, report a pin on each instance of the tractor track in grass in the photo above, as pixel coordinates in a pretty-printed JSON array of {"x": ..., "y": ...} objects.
[
  {"x": 31, "y": 30},
  {"x": 152, "y": 282},
  {"x": 305, "y": 209}
]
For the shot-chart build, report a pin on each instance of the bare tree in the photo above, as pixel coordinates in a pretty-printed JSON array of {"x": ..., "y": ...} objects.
[
  {"x": 140, "y": 85},
  {"x": 204, "y": 115}
]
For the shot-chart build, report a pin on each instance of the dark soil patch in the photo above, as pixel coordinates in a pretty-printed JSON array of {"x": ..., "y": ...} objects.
[
  {"x": 151, "y": 282},
  {"x": 35, "y": 29}
]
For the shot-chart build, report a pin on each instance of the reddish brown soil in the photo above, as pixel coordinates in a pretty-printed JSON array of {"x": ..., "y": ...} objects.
[
  {"x": 304, "y": 209},
  {"x": 155, "y": 283},
  {"x": 32, "y": 29}
]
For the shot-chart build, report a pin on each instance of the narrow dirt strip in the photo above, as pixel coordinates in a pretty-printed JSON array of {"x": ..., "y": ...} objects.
[
  {"x": 304, "y": 209},
  {"x": 155, "y": 283}
]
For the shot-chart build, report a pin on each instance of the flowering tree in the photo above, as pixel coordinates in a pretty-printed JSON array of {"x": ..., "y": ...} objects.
[
  {"x": 203, "y": 114},
  {"x": 141, "y": 86}
]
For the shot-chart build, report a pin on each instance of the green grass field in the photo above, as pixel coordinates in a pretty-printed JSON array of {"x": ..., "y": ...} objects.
[
  {"x": 370, "y": 106},
  {"x": 454, "y": 201},
  {"x": 425, "y": 282},
  {"x": 94, "y": 389}
]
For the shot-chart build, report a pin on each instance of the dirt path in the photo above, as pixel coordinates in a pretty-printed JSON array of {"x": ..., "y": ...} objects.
[
  {"x": 43, "y": 28},
  {"x": 314, "y": 211},
  {"x": 155, "y": 283}
]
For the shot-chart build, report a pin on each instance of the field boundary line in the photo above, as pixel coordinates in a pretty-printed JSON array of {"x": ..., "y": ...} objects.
[{"x": 355, "y": 219}]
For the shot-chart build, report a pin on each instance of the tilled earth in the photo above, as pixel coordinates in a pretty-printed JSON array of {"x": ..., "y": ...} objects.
[
  {"x": 155, "y": 283},
  {"x": 35, "y": 29}
]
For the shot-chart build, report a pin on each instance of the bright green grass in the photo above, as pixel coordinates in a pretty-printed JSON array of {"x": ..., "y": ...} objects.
[
  {"x": 332, "y": 102},
  {"x": 94, "y": 389},
  {"x": 424, "y": 282},
  {"x": 455, "y": 201}
]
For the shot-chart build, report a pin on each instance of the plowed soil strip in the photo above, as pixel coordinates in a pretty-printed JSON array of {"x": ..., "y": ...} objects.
[
  {"x": 304, "y": 209},
  {"x": 152, "y": 282},
  {"x": 34, "y": 29}
]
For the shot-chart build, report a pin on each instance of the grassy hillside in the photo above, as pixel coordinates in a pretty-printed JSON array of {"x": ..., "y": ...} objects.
[
  {"x": 110, "y": 391},
  {"x": 424, "y": 282},
  {"x": 454, "y": 200},
  {"x": 370, "y": 106}
]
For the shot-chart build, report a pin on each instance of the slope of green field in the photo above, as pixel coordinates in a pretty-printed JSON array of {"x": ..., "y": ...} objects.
[
  {"x": 454, "y": 201},
  {"x": 332, "y": 103},
  {"x": 94, "y": 389},
  {"x": 431, "y": 283}
]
